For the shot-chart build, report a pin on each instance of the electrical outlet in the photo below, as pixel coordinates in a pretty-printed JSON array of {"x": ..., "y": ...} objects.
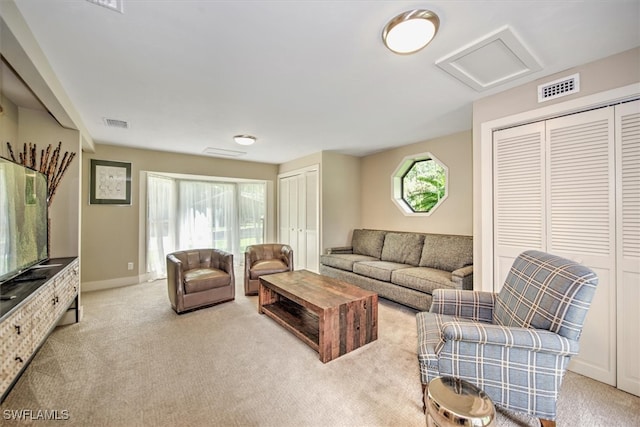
[{"x": 130, "y": 266}]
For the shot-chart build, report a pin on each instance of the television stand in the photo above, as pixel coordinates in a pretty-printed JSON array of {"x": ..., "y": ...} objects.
[
  {"x": 29, "y": 278},
  {"x": 27, "y": 320}
]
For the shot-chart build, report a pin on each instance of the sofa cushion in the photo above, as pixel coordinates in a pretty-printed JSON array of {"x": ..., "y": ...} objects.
[
  {"x": 423, "y": 279},
  {"x": 202, "y": 279},
  {"x": 344, "y": 261},
  {"x": 403, "y": 248},
  {"x": 368, "y": 242},
  {"x": 380, "y": 270},
  {"x": 446, "y": 252}
]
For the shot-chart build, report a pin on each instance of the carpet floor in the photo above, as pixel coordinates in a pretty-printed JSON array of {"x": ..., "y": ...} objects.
[{"x": 133, "y": 362}]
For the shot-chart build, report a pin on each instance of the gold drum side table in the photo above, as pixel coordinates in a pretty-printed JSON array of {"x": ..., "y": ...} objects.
[{"x": 455, "y": 402}]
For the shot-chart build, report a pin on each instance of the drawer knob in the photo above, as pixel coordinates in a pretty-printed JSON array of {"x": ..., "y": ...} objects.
[
  {"x": 19, "y": 359},
  {"x": 17, "y": 329}
]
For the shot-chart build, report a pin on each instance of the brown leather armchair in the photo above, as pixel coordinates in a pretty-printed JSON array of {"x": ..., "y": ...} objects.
[
  {"x": 268, "y": 258},
  {"x": 198, "y": 278}
]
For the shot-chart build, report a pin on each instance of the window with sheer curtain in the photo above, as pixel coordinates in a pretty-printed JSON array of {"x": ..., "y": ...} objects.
[{"x": 189, "y": 214}]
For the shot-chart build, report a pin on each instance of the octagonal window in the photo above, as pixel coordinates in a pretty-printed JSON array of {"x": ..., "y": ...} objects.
[{"x": 420, "y": 184}]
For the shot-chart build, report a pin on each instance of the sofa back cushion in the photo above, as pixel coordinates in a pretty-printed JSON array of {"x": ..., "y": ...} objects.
[
  {"x": 368, "y": 242},
  {"x": 404, "y": 248},
  {"x": 446, "y": 252}
]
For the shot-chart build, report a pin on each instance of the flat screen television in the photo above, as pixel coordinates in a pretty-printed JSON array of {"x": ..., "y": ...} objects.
[{"x": 23, "y": 219}]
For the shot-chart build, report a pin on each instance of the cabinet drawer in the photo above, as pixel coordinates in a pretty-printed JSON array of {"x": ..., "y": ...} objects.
[{"x": 16, "y": 345}]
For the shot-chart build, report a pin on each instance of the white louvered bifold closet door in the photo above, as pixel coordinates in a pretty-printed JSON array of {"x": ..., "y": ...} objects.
[
  {"x": 518, "y": 195},
  {"x": 581, "y": 223},
  {"x": 628, "y": 245},
  {"x": 312, "y": 221}
]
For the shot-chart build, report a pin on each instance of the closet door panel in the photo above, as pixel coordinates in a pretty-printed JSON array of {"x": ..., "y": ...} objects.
[
  {"x": 580, "y": 202},
  {"x": 519, "y": 222},
  {"x": 300, "y": 257},
  {"x": 283, "y": 211},
  {"x": 628, "y": 245},
  {"x": 312, "y": 222}
]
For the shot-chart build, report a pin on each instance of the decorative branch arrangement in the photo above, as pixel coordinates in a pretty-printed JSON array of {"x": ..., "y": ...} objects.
[{"x": 48, "y": 164}]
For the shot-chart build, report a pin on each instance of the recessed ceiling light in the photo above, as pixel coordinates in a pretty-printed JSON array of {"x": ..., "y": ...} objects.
[
  {"x": 244, "y": 139},
  {"x": 410, "y": 31}
]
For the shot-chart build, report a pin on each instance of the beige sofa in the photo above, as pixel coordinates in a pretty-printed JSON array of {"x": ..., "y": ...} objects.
[{"x": 403, "y": 267}]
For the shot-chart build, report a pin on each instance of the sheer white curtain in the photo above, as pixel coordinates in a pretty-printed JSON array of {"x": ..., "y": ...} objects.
[
  {"x": 207, "y": 216},
  {"x": 191, "y": 214},
  {"x": 252, "y": 198},
  {"x": 160, "y": 224}
]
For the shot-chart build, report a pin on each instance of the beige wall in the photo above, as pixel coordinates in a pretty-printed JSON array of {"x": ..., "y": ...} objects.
[
  {"x": 341, "y": 209},
  {"x": 453, "y": 216},
  {"x": 607, "y": 74},
  {"x": 8, "y": 123},
  {"x": 339, "y": 194},
  {"x": 111, "y": 234}
]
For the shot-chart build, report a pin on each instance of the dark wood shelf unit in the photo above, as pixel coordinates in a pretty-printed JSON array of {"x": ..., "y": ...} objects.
[{"x": 301, "y": 322}]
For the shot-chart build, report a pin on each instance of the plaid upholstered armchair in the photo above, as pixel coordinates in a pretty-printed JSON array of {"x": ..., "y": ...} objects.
[{"x": 514, "y": 345}]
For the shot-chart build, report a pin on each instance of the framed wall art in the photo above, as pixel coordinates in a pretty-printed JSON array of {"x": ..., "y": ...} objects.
[{"x": 110, "y": 183}]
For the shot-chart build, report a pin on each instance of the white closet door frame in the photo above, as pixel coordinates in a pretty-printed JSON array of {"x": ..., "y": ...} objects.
[
  {"x": 302, "y": 233},
  {"x": 628, "y": 245},
  {"x": 483, "y": 250}
]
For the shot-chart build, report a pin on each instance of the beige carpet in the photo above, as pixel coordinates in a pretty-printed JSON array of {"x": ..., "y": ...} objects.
[{"x": 133, "y": 362}]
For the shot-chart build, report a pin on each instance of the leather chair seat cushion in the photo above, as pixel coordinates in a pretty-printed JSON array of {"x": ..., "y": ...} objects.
[
  {"x": 267, "y": 266},
  {"x": 203, "y": 279}
]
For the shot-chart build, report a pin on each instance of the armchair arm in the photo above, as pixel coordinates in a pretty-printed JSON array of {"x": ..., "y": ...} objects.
[
  {"x": 286, "y": 255},
  {"x": 175, "y": 281},
  {"x": 174, "y": 274},
  {"x": 463, "y": 277},
  {"x": 224, "y": 261},
  {"x": 473, "y": 305},
  {"x": 537, "y": 340},
  {"x": 340, "y": 250}
]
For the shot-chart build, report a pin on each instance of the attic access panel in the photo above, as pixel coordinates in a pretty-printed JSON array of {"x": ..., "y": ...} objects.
[{"x": 491, "y": 61}]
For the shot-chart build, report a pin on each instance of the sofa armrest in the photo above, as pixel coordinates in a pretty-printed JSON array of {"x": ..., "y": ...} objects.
[
  {"x": 473, "y": 305},
  {"x": 537, "y": 340},
  {"x": 463, "y": 277},
  {"x": 340, "y": 250}
]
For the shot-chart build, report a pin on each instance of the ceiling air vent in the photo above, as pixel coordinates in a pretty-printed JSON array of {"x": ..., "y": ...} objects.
[
  {"x": 115, "y": 5},
  {"x": 223, "y": 152},
  {"x": 115, "y": 123},
  {"x": 558, "y": 88}
]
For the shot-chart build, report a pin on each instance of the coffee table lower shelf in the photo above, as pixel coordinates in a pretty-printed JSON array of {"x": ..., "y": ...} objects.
[{"x": 303, "y": 323}]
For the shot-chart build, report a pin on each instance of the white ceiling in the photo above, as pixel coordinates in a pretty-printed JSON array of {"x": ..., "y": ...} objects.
[{"x": 302, "y": 76}]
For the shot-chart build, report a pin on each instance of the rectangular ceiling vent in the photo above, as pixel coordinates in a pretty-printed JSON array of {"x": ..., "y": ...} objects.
[
  {"x": 559, "y": 88},
  {"x": 222, "y": 152},
  {"x": 115, "y": 5},
  {"x": 115, "y": 123}
]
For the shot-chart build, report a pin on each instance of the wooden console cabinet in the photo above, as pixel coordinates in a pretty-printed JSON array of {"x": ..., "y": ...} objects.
[{"x": 42, "y": 296}]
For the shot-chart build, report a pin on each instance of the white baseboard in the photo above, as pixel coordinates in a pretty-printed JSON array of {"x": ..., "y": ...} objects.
[{"x": 100, "y": 285}]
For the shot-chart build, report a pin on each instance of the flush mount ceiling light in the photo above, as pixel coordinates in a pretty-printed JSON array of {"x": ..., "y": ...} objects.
[
  {"x": 410, "y": 31},
  {"x": 244, "y": 139}
]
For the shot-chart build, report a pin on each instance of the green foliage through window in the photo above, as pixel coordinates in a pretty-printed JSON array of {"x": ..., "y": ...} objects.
[{"x": 424, "y": 185}]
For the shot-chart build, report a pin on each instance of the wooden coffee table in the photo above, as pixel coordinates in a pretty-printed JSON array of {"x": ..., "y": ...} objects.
[{"x": 331, "y": 316}]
